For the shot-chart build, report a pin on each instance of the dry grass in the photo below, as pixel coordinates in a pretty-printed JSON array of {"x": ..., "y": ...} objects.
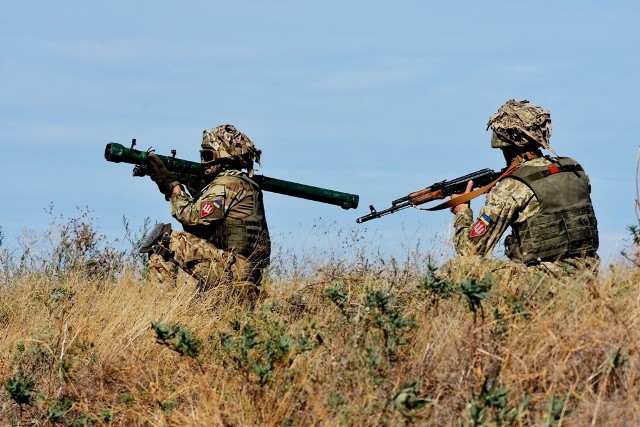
[{"x": 354, "y": 343}]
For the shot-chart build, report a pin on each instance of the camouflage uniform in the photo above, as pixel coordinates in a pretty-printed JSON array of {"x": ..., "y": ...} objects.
[
  {"x": 510, "y": 203},
  {"x": 225, "y": 237},
  {"x": 513, "y": 203}
]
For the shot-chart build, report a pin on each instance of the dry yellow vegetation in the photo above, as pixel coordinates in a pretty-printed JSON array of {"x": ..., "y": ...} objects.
[
  {"x": 353, "y": 343},
  {"x": 337, "y": 338}
]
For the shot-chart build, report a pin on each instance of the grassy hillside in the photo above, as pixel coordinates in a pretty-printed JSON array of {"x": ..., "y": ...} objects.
[{"x": 342, "y": 340}]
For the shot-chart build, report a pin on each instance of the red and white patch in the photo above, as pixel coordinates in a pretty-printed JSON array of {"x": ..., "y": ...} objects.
[
  {"x": 206, "y": 209},
  {"x": 478, "y": 229}
]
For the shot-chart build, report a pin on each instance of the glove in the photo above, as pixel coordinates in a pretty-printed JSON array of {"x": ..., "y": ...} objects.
[
  {"x": 163, "y": 177},
  {"x": 140, "y": 170}
]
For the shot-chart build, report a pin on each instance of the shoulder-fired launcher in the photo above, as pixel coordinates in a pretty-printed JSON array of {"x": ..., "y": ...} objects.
[{"x": 191, "y": 174}]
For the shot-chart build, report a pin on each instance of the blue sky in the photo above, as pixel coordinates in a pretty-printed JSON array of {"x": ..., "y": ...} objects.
[{"x": 374, "y": 98}]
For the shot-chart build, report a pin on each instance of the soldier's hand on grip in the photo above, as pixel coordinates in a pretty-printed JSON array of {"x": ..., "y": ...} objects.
[{"x": 165, "y": 179}]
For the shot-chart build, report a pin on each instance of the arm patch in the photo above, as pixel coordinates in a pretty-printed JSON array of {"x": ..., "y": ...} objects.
[
  {"x": 479, "y": 227},
  {"x": 207, "y": 208}
]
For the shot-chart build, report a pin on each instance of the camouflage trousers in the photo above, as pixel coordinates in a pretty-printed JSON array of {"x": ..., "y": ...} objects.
[
  {"x": 507, "y": 273},
  {"x": 208, "y": 265}
]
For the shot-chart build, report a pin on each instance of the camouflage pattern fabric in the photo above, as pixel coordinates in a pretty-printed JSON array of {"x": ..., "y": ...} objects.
[
  {"x": 515, "y": 281},
  {"x": 229, "y": 142},
  {"x": 509, "y": 202},
  {"x": 227, "y": 196},
  {"x": 207, "y": 264},
  {"x": 504, "y": 272},
  {"x": 520, "y": 123}
]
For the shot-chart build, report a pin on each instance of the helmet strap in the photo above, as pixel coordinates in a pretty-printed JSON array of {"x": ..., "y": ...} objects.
[{"x": 512, "y": 153}]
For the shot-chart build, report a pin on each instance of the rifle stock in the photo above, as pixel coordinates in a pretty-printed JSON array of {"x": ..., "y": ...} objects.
[
  {"x": 192, "y": 175},
  {"x": 436, "y": 191}
]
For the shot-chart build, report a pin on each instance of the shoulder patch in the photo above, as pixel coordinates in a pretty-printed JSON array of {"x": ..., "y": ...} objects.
[
  {"x": 480, "y": 226},
  {"x": 207, "y": 208}
]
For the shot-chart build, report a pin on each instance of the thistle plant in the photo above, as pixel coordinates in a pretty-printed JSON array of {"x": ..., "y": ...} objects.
[
  {"x": 177, "y": 338},
  {"x": 20, "y": 388}
]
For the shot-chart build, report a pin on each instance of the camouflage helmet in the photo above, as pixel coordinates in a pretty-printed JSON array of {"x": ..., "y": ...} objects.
[
  {"x": 521, "y": 124},
  {"x": 225, "y": 141}
]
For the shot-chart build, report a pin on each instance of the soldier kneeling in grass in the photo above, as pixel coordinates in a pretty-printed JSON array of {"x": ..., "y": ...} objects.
[
  {"x": 225, "y": 237},
  {"x": 545, "y": 200}
]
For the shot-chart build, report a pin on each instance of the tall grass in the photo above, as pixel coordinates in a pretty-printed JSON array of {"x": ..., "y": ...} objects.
[{"x": 341, "y": 337}]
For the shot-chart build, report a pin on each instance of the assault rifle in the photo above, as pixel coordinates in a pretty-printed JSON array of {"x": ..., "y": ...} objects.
[
  {"x": 191, "y": 174},
  {"x": 436, "y": 191}
]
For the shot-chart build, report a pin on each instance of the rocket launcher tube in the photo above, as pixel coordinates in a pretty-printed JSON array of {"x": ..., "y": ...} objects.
[{"x": 192, "y": 171}]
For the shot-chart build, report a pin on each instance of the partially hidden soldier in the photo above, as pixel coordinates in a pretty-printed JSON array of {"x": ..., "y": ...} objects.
[
  {"x": 225, "y": 238},
  {"x": 545, "y": 200}
]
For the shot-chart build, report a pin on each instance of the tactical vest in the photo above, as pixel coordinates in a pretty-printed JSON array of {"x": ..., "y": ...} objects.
[
  {"x": 248, "y": 236},
  {"x": 566, "y": 225}
]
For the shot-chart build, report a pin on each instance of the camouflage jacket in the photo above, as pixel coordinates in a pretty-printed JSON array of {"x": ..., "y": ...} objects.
[
  {"x": 511, "y": 202},
  {"x": 230, "y": 200},
  {"x": 222, "y": 195}
]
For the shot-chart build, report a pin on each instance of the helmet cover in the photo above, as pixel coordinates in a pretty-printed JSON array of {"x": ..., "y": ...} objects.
[
  {"x": 521, "y": 124},
  {"x": 230, "y": 143}
]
